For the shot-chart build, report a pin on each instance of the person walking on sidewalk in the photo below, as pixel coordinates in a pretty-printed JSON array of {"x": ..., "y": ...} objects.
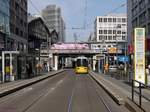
[
  {"x": 29, "y": 70},
  {"x": 148, "y": 69}
]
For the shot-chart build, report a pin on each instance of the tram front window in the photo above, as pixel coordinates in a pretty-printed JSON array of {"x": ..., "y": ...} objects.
[{"x": 82, "y": 63}]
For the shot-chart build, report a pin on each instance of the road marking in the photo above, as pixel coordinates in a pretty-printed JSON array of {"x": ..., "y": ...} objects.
[
  {"x": 53, "y": 88},
  {"x": 59, "y": 82},
  {"x": 25, "y": 90},
  {"x": 71, "y": 98}
]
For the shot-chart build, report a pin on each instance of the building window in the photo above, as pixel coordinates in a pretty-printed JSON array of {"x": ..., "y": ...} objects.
[
  {"x": 142, "y": 5},
  {"x": 123, "y": 20},
  {"x": 123, "y": 38},
  {"x": 100, "y": 20},
  {"x": 100, "y": 37},
  {"x": 142, "y": 18},
  {"x": 114, "y": 19},
  {"x": 109, "y": 31},
  {"x": 123, "y": 32},
  {"x": 109, "y": 37},
  {"x": 114, "y": 31},
  {"x": 118, "y": 32},
  {"x": 17, "y": 31},
  {"x": 105, "y": 19},
  {"x": 105, "y": 31},
  {"x": 114, "y": 37},
  {"x": 99, "y": 46},
  {"x": 118, "y": 19},
  {"x": 109, "y": 19},
  {"x": 21, "y": 33},
  {"x": 105, "y": 37},
  {"x": 135, "y": 11},
  {"x": 100, "y": 31},
  {"x": 134, "y": 23},
  {"x": 109, "y": 46},
  {"x": 104, "y": 46}
]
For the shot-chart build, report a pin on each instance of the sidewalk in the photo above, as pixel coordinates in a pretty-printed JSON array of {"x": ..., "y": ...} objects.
[
  {"x": 10, "y": 87},
  {"x": 120, "y": 90}
]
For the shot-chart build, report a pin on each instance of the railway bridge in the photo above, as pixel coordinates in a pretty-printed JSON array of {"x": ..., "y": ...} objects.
[{"x": 60, "y": 54}]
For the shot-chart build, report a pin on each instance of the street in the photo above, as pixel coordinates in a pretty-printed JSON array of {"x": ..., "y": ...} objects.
[{"x": 65, "y": 92}]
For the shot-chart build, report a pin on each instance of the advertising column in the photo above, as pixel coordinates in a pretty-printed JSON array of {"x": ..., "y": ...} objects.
[{"x": 139, "y": 55}]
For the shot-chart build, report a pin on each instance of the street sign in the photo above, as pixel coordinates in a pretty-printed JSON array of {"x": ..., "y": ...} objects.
[
  {"x": 139, "y": 55},
  {"x": 123, "y": 58}
]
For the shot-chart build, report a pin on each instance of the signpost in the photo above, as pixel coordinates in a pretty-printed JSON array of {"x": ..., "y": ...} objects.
[
  {"x": 139, "y": 55},
  {"x": 123, "y": 58}
]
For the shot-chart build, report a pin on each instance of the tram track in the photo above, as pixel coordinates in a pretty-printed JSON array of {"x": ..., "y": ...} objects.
[
  {"x": 48, "y": 85},
  {"x": 67, "y": 92},
  {"x": 48, "y": 91},
  {"x": 87, "y": 81},
  {"x": 71, "y": 96},
  {"x": 100, "y": 98}
]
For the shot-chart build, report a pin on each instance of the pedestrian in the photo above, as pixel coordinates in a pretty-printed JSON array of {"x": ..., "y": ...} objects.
[
  {"x": 27, "y": 70},
  {"x": 30, "y": 70},
  {"x": 149, "y": 69}
]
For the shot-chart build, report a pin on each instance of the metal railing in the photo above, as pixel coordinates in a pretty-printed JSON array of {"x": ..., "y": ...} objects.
[{"x": 139, "y": 92}]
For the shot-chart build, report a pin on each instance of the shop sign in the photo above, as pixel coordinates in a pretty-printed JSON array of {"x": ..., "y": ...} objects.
[
  {"x": 112, "y": 50},
  {"x": 139, "y": 55}
]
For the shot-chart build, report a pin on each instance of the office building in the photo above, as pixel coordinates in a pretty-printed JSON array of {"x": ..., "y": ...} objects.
[
  {"x": 138, "y": 12},
  {"x": 18, "y": 26},
  {"x": 4, "y": 23},
  {"x": 111, "y": 35},
  {"x": 111, "y": 30},
  {"x": 52, "y": 15}
]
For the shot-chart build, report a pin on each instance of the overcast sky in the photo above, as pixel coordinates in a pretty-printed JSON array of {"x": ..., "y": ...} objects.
[{"x": 73, "y": 12}]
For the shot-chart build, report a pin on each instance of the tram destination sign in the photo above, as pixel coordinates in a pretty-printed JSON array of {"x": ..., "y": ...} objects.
[{"x": 139, "y": 55}]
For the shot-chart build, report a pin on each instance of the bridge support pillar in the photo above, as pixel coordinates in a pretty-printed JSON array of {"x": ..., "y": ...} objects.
[
  {"x": 55, "y": 62},
  {"x": 94, "y": 63}
]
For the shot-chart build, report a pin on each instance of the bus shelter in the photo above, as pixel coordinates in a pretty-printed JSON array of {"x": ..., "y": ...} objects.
[{"x": 7, "y": 65}]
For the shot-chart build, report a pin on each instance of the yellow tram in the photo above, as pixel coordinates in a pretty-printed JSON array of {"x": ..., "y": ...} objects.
[{"x": 81, "y": 65}]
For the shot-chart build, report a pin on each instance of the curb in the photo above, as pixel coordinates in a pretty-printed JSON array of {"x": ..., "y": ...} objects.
[
  {"x": 26, "y": 84},
  {"x": 119, "y": 100},
  {"x": 131, "y": 106}
]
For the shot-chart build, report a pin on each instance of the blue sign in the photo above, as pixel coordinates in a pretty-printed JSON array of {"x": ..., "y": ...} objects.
[{"x": 123, "y": 58}]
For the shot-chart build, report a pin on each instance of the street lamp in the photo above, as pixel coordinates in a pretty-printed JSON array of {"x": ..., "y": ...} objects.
[
  {"x": 125, "y": 53},
  {"x": 39, "y": 63},
  {"x": 125, "y": 50},
  {"x": 118, "y": 26}
]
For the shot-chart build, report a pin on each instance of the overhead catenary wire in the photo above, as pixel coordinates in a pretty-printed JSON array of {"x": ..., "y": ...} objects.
[
  {"x": 110, "y": 12},
  {"x": 38, "y": 11},
  {"x": 114, "y": 10},
  {"x": 34, "y": 6},
  {"x": 85, "y": 24},
  {"x": 84, "y": 27}
]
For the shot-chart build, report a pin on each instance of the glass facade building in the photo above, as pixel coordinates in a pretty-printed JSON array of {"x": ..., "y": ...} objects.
[
  {"x": 139, "y": 17},
  {"x": 4, "y": 16},
  {"x": 4, "y": 22}
]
